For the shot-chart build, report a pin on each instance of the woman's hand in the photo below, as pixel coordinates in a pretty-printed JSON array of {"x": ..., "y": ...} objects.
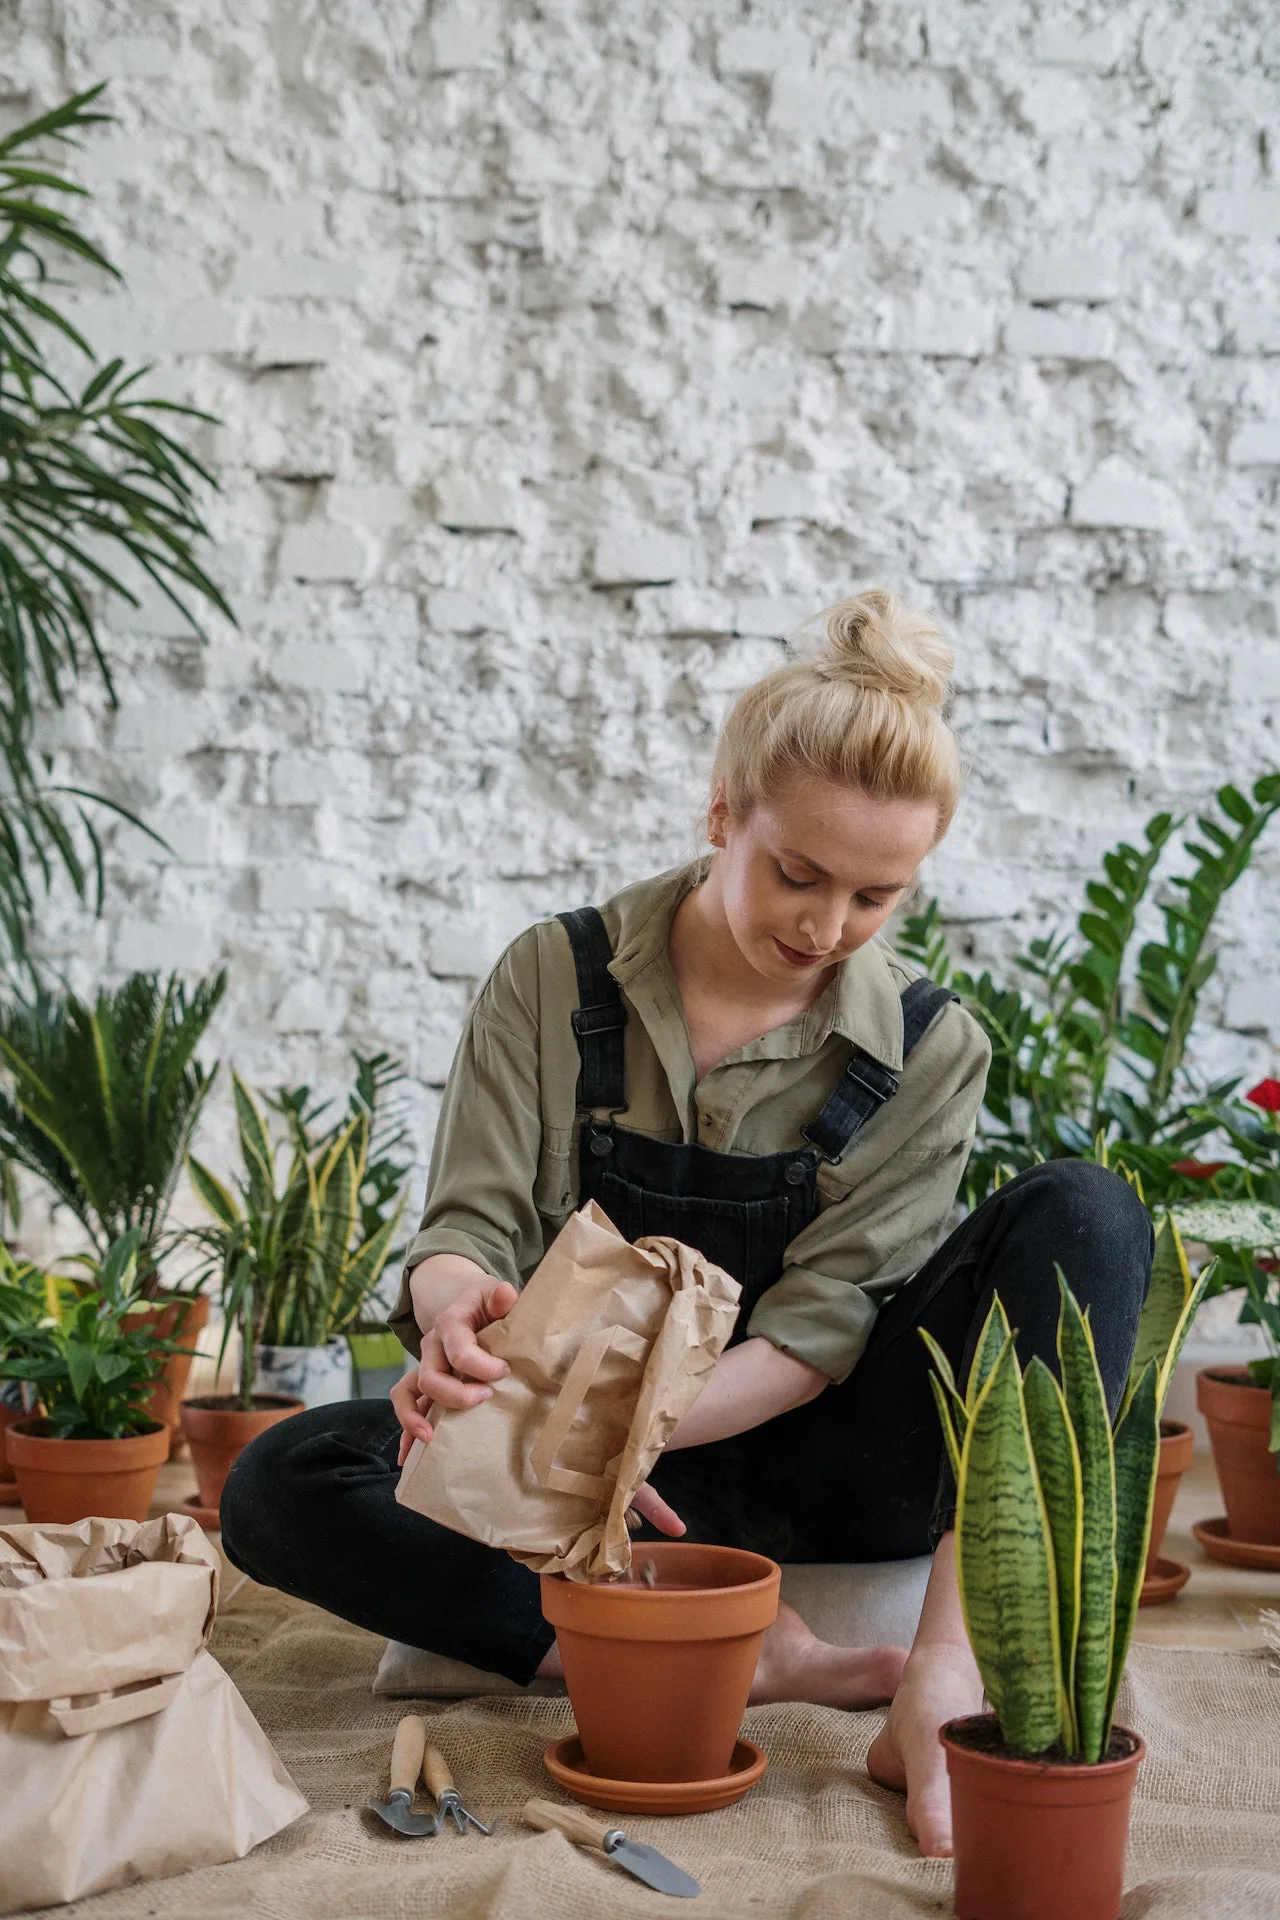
[{"x": 453, "y": 1299}]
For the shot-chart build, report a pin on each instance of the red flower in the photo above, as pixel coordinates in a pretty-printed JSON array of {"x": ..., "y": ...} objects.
[
  {"x": 1266, "y": 1095},
  {"x": 1267, "y": 1265},
  {"x": 1197, "y": 1169}
]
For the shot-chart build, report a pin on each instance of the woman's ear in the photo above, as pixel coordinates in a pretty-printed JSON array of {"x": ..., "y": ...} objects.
[{"x": 717, "y": 815}]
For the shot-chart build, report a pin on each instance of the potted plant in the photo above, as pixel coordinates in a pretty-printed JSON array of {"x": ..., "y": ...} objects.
[
  {"x": 102, "y": 1102},
  {"x": 92, "y": 1449},
  {"x": 311, "y": 1257},
  {"x": 1052, "y": 1520},
  {"x": 1173, "y": 1286},
  {"x": 25, "y": 1298}
]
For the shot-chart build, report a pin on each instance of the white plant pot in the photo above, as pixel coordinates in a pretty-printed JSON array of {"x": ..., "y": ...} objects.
[{"x": 315, "y": 1375}]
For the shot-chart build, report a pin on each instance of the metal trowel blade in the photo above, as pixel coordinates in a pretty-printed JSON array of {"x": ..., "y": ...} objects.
[
  {"x": 654, "y": 1868},
  {"x": 398, "y": 1815}
]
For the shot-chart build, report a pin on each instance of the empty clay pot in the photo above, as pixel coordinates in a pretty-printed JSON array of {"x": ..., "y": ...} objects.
[
  {"x": 72, "y": 1479},
  {"x": 658, "y": 1676},
  {"x": 218, "y": 1429},
  {"x": 181, "y": 1317},
  {"x": 1032, "y": 1839},
  {"x": 1238, "y": 1416},
  {"x": 1177, "y": 1444}
]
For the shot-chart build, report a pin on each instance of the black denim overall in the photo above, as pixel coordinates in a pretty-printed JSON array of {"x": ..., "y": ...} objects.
[{"x": 855, "y": 1474}]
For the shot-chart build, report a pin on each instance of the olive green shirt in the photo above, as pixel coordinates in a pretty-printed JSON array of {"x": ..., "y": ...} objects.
[{"x": 504, "y": 1170}]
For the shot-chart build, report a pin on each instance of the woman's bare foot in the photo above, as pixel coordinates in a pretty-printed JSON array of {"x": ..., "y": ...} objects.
[
  {"x": 938, "y": 1683},
  {"x": 796, "y": 1665}
]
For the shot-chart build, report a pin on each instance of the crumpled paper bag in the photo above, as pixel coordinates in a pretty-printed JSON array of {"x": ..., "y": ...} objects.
[
  {"x": 126, "y": 1753},
  {"x": 609, "y": 1346}
]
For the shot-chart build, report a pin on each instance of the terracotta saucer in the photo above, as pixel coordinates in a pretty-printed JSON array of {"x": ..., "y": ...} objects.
[
  {"x": 563, "y": 1761},
  {"x": 209, "y": 1517},
  {"x": 1218, "y": 1544},
  {"x": 1169, "y": 1578}
]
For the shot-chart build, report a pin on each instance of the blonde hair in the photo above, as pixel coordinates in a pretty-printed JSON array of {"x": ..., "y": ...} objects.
[{"x": 867, "y": 710}]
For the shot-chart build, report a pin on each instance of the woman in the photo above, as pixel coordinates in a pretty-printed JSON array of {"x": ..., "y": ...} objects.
[{"x": 797, "y": 1105}]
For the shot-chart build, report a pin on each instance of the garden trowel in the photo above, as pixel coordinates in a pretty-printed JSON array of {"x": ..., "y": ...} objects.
[
  {"x": 407, "y": 1750},
  {"x": 646, "y": 1863}
]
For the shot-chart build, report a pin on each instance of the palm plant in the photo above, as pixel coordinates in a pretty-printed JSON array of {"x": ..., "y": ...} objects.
[
  {"x": 103, "y": 1100},
  {"x": 89, "y": 479},
  {"x": 295, "y": 1259},
  {"x": 1053, "y": 1510}
]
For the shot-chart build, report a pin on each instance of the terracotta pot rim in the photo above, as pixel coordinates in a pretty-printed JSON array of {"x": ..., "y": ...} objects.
[
  {"x": 22, "y": 1430},
  {"x": 1237, "y": 1377},
  {"x": 1030, "y": 1768},
  {"x": 616, "y": 1592},
  {"x": 231, "y": 1403},
  {"x": 1173, "y": 1429}
]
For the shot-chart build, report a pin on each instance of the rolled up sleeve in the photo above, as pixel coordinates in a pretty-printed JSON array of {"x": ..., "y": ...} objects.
[
  {"x": 885, "y": 1208},
  {"x": 484, "y": 1162}
]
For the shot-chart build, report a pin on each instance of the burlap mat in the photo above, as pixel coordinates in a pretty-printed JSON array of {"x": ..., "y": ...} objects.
[{"x": 815, "y": 1841}]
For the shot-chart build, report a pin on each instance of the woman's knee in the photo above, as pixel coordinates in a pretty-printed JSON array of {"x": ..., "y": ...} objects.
[
  {"x": 1087, "y": 1210},
  {"x": 287, "y": 1479}
]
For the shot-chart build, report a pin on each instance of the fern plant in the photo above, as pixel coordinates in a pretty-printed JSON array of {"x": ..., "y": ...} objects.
[
  {"x": 1053, "y": 1511},
  {"x": 91, "y": 482},
  {"x": 1079, "y": 1055},
  {"x": 102, "y": 1101}
]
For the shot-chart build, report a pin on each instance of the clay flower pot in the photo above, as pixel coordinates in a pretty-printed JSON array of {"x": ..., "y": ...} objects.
[
  {"x": 658, "y": 1676},
  {"x": 182, "y": 1317},
  {"x": 1036, "y": 1839},
  {"x": 1177, "y": 1445},
  {"x": 1238, "y": 1416},
  {"x": 217, "y": 1430},
  {"x": 73, "y": 1479},
  {"x": 8, "y": 1485}
]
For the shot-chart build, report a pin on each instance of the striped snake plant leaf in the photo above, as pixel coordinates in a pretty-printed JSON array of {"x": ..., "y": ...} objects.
[
  {"x": 1004, "y": 1564},
  {"x": 953, "y": 1398},
  {"x": 1181, "y": 1330},
  {"x": 948, "y": 1424},
  {"x": 255, "y": 1146},
  {"x": 1087, "y": 1412},
  {"x": 1058, "y": 1465},
  {"x": 1164, "y": 1311},
  {"x": 1137, "y": 1456},
  {"x": 995, "y": 1332}
]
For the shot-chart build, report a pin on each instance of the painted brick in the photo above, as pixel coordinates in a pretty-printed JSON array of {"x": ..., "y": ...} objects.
[
  {"x": 1069, "y": 273},
  {"x": 1041, "y": 333}
]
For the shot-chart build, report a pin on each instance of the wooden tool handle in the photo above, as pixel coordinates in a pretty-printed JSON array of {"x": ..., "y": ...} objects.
[
  {"x": 571, "y": 1821},
  {"x": 406, "y": 1753},
  {"x": 435, "y": 1771}
]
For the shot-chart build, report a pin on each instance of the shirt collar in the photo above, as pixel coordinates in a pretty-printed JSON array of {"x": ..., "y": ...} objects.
[{"x": 862, "y": 1003}]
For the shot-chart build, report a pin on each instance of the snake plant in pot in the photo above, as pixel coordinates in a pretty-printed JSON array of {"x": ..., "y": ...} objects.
[{"x": 1052, "y": 1519}]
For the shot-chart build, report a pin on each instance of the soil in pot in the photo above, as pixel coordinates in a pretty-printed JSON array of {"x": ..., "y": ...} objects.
[
  {"x": 1037, "y": 1839},
  {"x": 181, "y": 1317},
  {"x": 1238, "y": 1416},
  {"x": 217, "y": 1429},
  {"x": 72, "y": 1479},
  {"x": 1177, "y": 1444},
  {"x": 658, "y": 1676}
]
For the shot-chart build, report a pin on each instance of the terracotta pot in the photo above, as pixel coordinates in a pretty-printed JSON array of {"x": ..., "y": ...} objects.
[
  {"x": 8, "y": 1415},
  {"x": 182, "y": 1317},
  {"x": 1034, "y": 1840},
  {"x": 218, "y": 1429},
  {"x": 658, "y": 1676},
  {"x": 1177, "y": 1444},
  {"x": 73, "y": 1479},
  {"x": 1238, "y": 1416}
]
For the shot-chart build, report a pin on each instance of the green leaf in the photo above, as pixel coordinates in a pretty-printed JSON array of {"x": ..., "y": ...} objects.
[
  {"x": 1058, "y": 1466},
  {"x": 991, "y": 1342},
  {"x": 1087, "y": 1411},
  {"x": 218, "y": 1198},
  {"x": 1004, "y": 1564},
  {"x": 1137, "y": 1458}
]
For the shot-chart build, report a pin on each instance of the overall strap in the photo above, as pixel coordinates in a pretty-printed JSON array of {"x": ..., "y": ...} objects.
[
  {"x": 865, "y": 1085},
  {"x": 600, "y": 1016}
]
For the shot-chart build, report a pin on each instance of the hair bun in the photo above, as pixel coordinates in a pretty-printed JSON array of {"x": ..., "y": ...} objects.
[{"x": 876, "y": 642}]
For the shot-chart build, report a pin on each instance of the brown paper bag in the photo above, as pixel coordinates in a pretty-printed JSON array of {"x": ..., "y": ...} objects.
[
  {"x": 609, "y": 1346},
  {"x": 125, "y": 1751}
]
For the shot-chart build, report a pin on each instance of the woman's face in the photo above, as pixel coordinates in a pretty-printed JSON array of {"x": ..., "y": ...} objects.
[{"x": 807, "y": 879}]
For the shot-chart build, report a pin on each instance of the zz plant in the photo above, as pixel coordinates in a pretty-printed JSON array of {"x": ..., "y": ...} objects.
[{"x": 1054, "y": 1511}]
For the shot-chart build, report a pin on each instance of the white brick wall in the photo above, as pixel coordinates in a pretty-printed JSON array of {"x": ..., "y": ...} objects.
[{"x": 567, "y": 355}]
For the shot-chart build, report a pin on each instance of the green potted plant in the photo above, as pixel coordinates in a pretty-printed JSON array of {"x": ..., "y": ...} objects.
[
  {"x": 1052, "y": 1521},
  {"x": 25, "y": 1298},
  {"x": 92, "y": 1449},
  {"x": 101, "y": 1103},
  {"x": 317, "y": 1252}
]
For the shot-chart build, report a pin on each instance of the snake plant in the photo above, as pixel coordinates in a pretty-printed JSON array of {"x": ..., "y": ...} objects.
[{"x": 1053, "y": 1510}]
